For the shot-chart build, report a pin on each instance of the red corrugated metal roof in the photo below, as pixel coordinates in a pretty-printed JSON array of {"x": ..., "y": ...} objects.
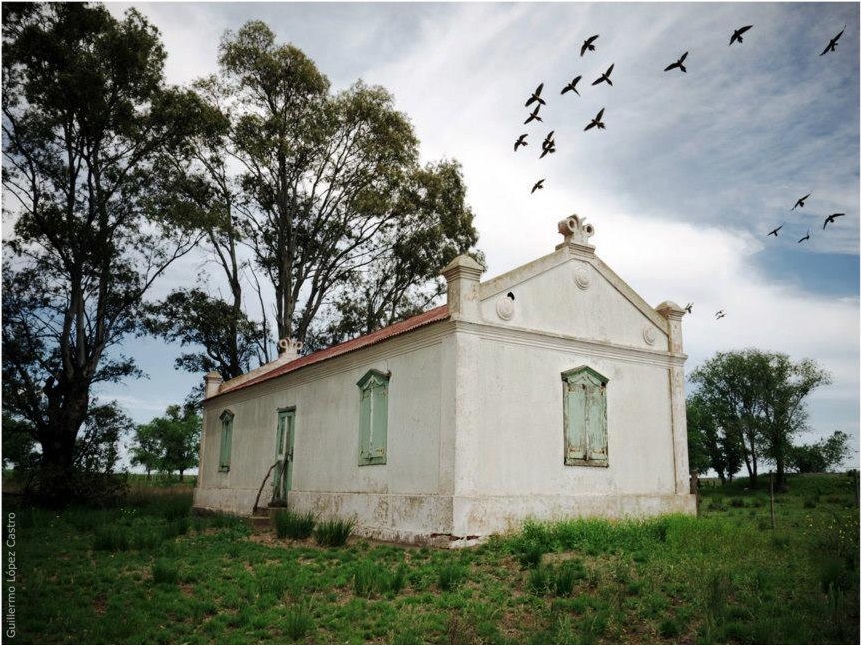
[{"x": 431, "y": 316}]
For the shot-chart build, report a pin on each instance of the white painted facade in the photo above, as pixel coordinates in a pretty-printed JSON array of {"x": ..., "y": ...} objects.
[{"x": 475, "y": 440}]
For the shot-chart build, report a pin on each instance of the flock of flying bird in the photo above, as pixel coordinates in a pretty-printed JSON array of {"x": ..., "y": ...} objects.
[{"x": 548, "y": 146}]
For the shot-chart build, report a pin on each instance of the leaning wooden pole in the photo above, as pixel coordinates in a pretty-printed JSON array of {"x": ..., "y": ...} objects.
[{"x": 262, "y": 484}]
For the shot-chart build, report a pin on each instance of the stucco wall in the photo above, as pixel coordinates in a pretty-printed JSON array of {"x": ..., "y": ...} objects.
[
  {"x": 393, "y": 500},
  {"x": 568, "y": 295}
]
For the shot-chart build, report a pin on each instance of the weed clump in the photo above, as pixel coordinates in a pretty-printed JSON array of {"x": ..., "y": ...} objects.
[
  {"x": 111, "y": 538},
  {"x": 333, "y": 532},
  {"x": 450, "y": 576},
  {"x": 298, "y": 621},
  {"x": 165, "y": 572},
  {"x": 296, "y": 526}
]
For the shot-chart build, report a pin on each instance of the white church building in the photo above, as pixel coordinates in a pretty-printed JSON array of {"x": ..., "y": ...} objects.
[{"x": 551, "y": 391}]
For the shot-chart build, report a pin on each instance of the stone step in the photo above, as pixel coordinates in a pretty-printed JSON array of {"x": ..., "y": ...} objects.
[{"x": 260, "y": 522}]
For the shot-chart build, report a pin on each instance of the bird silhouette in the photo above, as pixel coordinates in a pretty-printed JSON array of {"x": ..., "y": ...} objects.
[
  {"x": 800, "y": 202},
  {"x": 679, "y": 63},
  {"x": 572, "y": 86},
  {"x": 534, "y": 116},
  {"x": 605, "y": 77},
  {"x": 830, "y": 219},
  {"x": 774, "y": 232},
  {"x": 806, "y": 237},
  {"x": 832, "y": 45},
  {"x": 548, "y": 146},
  {"x": 521, "y": 141},
  {"x": 536, "y": 96},
  {"x": 736, "y": 35},
  {"x": 719, "y": 314},
  {"x": 596, "y": 122},
  {"x": 538, "y": 186},
  {"x": 587, "y": 44},
  {"x": 689, "y": 307}
]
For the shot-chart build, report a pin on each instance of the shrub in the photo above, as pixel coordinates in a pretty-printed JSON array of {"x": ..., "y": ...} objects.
[
  {"x": 539, "y": 580},
  {"x": 297, "y": 526},
  {"x": 165, "y": 572},
  {"x": 669, "y": 628},
  {"x": 450, "y": 576},
  {"x": 111, "y": 538},
  {"x": 298, "y": 621},
  {"x": 333, "y": 532},
  {"x": 366, "y": 579}
]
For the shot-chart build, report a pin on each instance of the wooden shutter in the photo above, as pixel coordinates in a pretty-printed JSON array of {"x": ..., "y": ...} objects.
[
  {"x": 585, "y": 417},
  {"x": 575, "y": 427},
  {"x": 226, "y": 441},
  {"x": 379, "y": 424},
  {"x": 365, "y": 427},
  {"x": 596, "y": 423}
]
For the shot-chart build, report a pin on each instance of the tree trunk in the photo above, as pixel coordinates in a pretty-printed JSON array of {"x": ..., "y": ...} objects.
[{"x": 56, "y": 475}]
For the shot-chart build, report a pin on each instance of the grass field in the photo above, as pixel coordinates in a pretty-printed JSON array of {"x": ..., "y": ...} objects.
[{"x": 148, "y": 572}]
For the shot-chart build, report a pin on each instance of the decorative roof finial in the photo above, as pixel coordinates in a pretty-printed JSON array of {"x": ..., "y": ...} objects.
[{"x": 576, "y": 231}]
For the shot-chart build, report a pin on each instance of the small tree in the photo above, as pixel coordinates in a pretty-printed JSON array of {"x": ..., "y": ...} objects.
[
  {"x": 169, "y": 443},
  {"x": 822, "y": 456},
  {"x": 757, "y": 398}
]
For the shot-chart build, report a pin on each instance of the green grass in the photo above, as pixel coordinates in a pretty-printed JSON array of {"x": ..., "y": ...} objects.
[
  {"x": 333, "y": 532},
  {"x": 296, "y": 526},
  {"x": 148, "y": 572}
]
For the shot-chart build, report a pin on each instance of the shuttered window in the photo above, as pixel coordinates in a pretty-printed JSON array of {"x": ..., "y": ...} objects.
[
  {"x": 585, "y": 417},
  {"x": 226, "y": 440},
  {"x": 373, "y": 417}
]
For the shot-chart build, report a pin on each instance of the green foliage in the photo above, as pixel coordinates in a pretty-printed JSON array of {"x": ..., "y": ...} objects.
[
  {"x": 169, "y": 443},
  {"x": 88, "y": 123},
  {"x": 757, "y": 399},
  {"x": 165, "y": 572},
  {"x": 710, "y": 579},
  {"x": 451, "y": 575},
  {"x": 298, "y": 621},
  {"x": 824, "y": 455},
  {"x": 296, "y": 526},
  {"x": 343, "y": 222},
  {"x": 333, "y": 532},
  {"x": 193, "y": 317}
]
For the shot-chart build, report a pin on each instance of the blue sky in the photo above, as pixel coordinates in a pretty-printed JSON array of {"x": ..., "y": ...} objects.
[{"x": 691, "y": 173}]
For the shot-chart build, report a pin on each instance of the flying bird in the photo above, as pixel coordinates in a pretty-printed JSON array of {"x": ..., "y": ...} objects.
[
  {"x": 832, "y": 45},
  {"x": 689, "y": 307},
  {"x": 800, "y": 202},
  {"x": 534, "y": 116},
  {"x": 596, "y": 122},
  {"x": 572, "y": 86},
  {"x": 605, "y": 76},
  {"x": 538, "y": 186},
  {"x": 830, "y": 219},
  {"x": 587, "y": 44},
  {"x": 521, "y": 141},
  {"x": 806, "y": 237},
  {"x": 719, "y": 314},
  {"x": 548, "y": 146},
  {"x": 679, "y": 63},
  {"x": 536, "y": 97},
  {"x": 736, "y": 35},
  {"x": 774, "y": 232}
]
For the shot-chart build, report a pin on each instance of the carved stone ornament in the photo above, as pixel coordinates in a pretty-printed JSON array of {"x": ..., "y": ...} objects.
[
  {"x": 576, "y": 230},
  {"x": 649, "y": 335},
  {"x": 582, "y": 278},
  {"x": 505, "y": 308}
]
